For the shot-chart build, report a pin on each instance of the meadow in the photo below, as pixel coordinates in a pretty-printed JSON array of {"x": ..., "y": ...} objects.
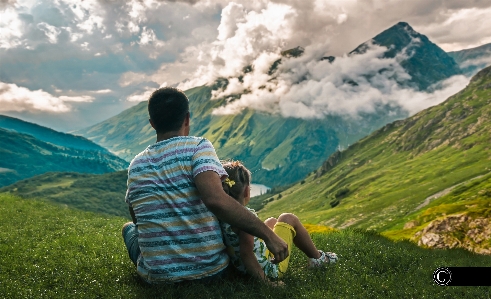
[{"x": 53, "y": 252}]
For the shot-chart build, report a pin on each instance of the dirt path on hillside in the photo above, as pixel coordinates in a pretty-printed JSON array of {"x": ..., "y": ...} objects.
[{"x": 443, "y": 193}]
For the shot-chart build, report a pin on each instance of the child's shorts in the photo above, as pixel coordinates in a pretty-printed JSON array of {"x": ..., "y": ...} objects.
[
  {"x": 130, "y": 237},
  {"x": 287, "y": 233}
]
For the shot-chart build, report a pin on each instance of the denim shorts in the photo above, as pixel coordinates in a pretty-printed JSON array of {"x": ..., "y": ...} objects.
[{"x": 130, "y": 237}]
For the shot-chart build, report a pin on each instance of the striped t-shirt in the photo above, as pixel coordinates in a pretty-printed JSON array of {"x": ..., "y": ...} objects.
[{"x": 179, "y": 238}]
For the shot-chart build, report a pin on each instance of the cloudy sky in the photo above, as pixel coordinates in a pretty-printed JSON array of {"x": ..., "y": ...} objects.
[{"x": 68, "y": 64}]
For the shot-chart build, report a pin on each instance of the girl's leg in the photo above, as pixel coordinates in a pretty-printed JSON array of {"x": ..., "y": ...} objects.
[
  {"x": 270, "y": 222},
  {"x": 302, "y": 238}
]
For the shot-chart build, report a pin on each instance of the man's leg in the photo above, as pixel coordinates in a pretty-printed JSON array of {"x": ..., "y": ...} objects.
[{"x": 130, "y": 237}]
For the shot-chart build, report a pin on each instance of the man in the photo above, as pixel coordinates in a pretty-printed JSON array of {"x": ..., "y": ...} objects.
[{"x": 175, "y": 195}]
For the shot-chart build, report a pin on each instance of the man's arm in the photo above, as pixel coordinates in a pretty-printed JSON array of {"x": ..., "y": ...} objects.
[
  {"x": 232, "y": 212},
  {"x": 132, "y": 214}
]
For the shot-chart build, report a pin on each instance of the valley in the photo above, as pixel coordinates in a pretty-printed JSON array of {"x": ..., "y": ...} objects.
[
  {"x": 382, "y": 171},
  {"x": 23, "y": 156},
  {"x": 370, "y": 121}
]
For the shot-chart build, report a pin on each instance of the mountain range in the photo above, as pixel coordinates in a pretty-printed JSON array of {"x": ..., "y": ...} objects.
[
  {"x": 49, "y": 135},
  {"x": 279, "y": 150},
  {"x": 472, "y": 60},
  {"x": 27, "y": 150},
  {"x": 425, "y": 178}
]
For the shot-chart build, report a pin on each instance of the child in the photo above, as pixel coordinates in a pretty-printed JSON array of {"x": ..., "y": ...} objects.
[{"x": 248, "y": 253}]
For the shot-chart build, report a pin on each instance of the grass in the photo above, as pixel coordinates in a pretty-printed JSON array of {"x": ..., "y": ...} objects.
[
  {"x": 51, "y": 252},
  {"x": 100, "y": 193}
]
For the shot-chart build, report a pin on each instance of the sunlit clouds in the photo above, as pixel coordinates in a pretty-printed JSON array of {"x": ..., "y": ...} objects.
[
  {"x": 69, "y": 48},
  {"x": 16, "y": 98}
]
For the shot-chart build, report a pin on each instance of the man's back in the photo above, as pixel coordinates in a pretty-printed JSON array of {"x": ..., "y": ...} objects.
[{"x": 179, "y": 237}]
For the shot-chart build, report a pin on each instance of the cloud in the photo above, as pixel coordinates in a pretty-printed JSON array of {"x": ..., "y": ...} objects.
[
  {"x": 483, "y": 61},
  {"x": 454, "y": 34},
  {"x": 306, "y": 87},
  {"x": 5, "y": 3},
  {"x": 51, "y": 32},
  {"x": 139, "y": 96},
  {"x": 10, "y": 28},
  {"x": 127, "y": 46},
  {"x": 242, "y": 36},
  {"x": 16, "y": 98}
]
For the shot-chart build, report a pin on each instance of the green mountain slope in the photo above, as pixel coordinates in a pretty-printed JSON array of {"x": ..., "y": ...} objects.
[
  {"x": 472, "y": 60},
  {"x": 383, "y": 181},
  {"x": 48, "y": 135},
  {"x": 427, "y": 63},
  {"x": 277, "y": 150},
  {"x": 99, "y": 193},
  {"x": 54, "y": 252},
  {"x": 23, "y": 156}
]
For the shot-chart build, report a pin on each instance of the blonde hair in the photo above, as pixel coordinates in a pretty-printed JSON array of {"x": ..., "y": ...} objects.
[{"x": 238, "y": 176}]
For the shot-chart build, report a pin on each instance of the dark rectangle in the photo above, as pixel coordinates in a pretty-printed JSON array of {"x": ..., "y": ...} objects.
[{"x": 463, "y": 276}]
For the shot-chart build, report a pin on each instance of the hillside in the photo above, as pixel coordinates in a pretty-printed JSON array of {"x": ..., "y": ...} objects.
[
  {"x": 23, "y": 156},
  {"x": 99, "y": 193},
  {"x": 63, "y": 253},
  {"x": 382, "y": 182},
  {"x": 48, "y": 135},
  {"x": 426, "y": 63},
  {"x": 272, "y": 147},
  {"x": 279, "y": 151},
  {"x": 473, "y": 60}
]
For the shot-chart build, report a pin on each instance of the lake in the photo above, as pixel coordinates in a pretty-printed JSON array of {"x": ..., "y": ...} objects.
[{"x": 257, "y": 189}]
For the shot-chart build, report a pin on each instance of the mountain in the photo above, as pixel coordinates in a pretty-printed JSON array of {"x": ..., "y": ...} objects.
[
  {"x": 427, "y": 63},
  {"x": 472, "y": 60},
  {"x": 415, "y": 178},
  {"x": 23, "y": 156},
  {"x": 99, "y": 193},
  {"x": 49, "y": 135},
  {"x": 278, "y": 150}
]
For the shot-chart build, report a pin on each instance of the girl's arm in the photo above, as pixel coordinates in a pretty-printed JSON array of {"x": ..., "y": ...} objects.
[{"x": 246, "y": 243}]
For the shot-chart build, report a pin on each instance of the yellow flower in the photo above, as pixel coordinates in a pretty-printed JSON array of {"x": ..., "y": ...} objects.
[{"x": 229, "y": 182}]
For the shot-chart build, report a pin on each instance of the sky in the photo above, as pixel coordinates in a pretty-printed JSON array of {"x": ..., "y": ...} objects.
[{"x": 69, "y": 64}]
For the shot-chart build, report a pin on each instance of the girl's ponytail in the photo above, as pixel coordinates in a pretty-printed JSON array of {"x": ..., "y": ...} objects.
[{"x": 238, "y": 178}]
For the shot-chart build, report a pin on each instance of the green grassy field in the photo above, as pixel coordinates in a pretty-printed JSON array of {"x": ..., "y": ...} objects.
[
  {"x": 51, "y": 252},
  {"x": 100, "y": 193}
]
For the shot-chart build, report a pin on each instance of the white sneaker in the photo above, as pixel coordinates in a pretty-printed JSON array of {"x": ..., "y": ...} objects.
[{"x": 325, "y": 258}]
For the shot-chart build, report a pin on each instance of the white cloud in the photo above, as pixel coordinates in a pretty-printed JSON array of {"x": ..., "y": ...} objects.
[
  {"x": 94, "y": 45},
  {"x": 242, "y": 36},
  {"x": 89, "y": 14},
  {"x": 103, "y": 91},
  {"x": 139, "y": 96},
  {"x": 10, "y": 28},
  {"x": 485, "y": 61},
  {"x": 17, "y": 98},
  {"x": 462, "y": 28},
  {"x": 307, "y": 87},
  {"x": 51, "y": 32}
]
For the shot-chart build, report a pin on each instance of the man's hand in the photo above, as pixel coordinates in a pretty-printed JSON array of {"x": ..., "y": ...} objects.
[
  {"x": 278, "y": 248},
  {"x": 232, "y": 212}
]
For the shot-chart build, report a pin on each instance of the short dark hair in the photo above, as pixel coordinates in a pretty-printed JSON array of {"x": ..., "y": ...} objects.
[{"x": 168, "y": 107}]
